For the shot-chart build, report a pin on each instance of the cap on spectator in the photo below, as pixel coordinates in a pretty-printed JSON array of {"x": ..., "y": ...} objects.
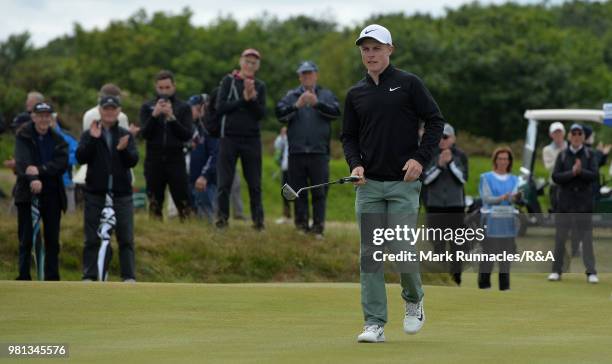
[
  {"x": 251, "y": 52},
  {"x": 110, "y": 101},
  {"x": 556, "y": 126},
  {"x": 376, "y": 32},
  {"x": 576, "y": 126},
  {"x": 448, "y": 130},
  {"x": 307, "y": 66},
  {"x": 42, "y": 107},
  {"x": 198, "y": 99}
]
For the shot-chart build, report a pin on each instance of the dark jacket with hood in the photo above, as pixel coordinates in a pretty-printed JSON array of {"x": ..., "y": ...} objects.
[
  {"x": 165, "y": 139},
  {"x": 242, "y": 118},
  {"x": 27, "y": 153},
  {"x": 101, "y": 162},
  {"x": 575, "y": 192}
]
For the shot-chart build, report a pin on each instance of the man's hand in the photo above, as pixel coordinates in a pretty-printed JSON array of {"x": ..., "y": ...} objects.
[
  {"x": 201, "y": 183},
  {"x": 159, "y": 107},
  {"x": 413, "y": 170},
  {"x": 10, "y": 163},
  {"x": 444, "y": 158},
  {"x": 577, "y": 168},
  {"x": 134, "y": 130},
  {"x": 32, "y": 171},
  {"x": 311, "y": 98},
  {"x": 249, "y": 92},
  {"x": 605, "y": 149},
  {"x": 94, "y": 130},
  {"x": 36, "y": 187},
  {"x": 123, "y": 142},
  {"x": 301, "y": 101},
  {"x": 359, "y": 172}
]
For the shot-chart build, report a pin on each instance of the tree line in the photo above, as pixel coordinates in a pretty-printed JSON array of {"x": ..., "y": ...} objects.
[{"x": 484, "y": 64}]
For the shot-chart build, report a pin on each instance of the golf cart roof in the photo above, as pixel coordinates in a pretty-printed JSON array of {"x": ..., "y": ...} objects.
[{"x": 595, "y": 116}]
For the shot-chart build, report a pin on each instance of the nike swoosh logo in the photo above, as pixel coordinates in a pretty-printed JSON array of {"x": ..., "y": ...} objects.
[
  {"x": 369, "y": 31},
  {"x": 420, "y": 318},
  {"x": 393, "y": 89}
]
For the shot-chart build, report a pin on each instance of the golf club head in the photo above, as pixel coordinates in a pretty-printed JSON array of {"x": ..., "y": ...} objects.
[{"x": 288, "y": 193}]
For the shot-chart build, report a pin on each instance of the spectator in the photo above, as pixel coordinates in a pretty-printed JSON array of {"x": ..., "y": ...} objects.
[
  {"x": 498, "y": 190},
  {"x": 166, "y": 125},
  {"x": 308, "y": 111},
  {"x": 33, "y": 98},
  {"x": 444, "y": 196},
  {"x": 41, "y": 157},
  {"x": 93, "y": 114},
  {"x": 281, "y": 156},
  {"x": 556, "y": 131},
  {"x": 109, "y": 151},
  {"x": 203, "y": 161},
  {"x": 574, "y": 172},
  {"x": 241, "y": 106}
]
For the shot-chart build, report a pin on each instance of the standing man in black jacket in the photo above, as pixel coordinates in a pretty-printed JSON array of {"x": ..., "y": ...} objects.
[
  {"x": 109, "y": 151},
  {"x": 308, "y": 111},
  {"x": 381, "y": 145},
  {"x": 41, "y": 158},
  {"x": 574, "y": 172},
  {"x": 241, "y": 104},
  {"x": 443, "y": 194},
  {"x": 166, "y": 125}
]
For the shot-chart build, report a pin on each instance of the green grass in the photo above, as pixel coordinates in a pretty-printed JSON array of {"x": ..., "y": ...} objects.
[{"x": 535, "y": 322}]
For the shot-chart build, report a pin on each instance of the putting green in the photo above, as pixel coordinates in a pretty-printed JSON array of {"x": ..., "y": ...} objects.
[{"x": 537, "y": 321}]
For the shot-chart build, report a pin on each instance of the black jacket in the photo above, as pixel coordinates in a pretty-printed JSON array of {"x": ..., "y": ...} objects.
[
  {"x": 50, "y": 174},
  {"x": 381, "y": 123},
  {"x": 444, "y": 185},
  {"x": 309, "y": 128},
  {"x": 575, "y": 192},
  {"x": 100, "y": 161},
  {"x": 242, "y": 118},
  {"x": 165, "y": 139}
]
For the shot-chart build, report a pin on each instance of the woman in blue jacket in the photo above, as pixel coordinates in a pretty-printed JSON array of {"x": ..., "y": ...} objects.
[{"x": 498, "y": 189}]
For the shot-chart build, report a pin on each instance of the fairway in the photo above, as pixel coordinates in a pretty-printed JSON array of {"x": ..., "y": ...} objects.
[{"x": 536, "y": 321}]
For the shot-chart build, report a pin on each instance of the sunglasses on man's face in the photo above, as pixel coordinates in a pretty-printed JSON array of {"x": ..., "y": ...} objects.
[
  {"x": 444, "y": 137},
  {"x": 577, "y": 132}
]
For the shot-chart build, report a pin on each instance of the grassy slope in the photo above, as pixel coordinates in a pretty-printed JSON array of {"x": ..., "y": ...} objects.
[{"x": 536, "y": 321}]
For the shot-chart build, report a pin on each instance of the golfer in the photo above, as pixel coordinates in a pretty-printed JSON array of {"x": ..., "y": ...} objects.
[{"x": 380, "y": 140}]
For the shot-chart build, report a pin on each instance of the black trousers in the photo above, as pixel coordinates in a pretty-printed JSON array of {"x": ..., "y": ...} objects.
[
  {"x": 580, "y": 226},
  {"x": 248, "y": 149},
  {"x": 124, "y": 231},
  {"x": 496, "y": 246},
  {"x": 50, "y": 208},
  {"x": 170, "y": 172},
  {"x": 448, "y": 217},
  {"x": 305, "y": 170}
]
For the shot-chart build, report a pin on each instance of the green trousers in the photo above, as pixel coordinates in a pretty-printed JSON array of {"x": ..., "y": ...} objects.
[{"x": 399, "y": 202}]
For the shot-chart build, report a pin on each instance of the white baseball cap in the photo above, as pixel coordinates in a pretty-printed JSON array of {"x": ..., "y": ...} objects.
[
  {"x": 376, "y": 32},
  {"x": 556, "y": 126}
]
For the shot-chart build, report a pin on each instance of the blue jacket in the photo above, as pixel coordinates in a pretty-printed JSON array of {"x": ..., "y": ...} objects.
[
  {"x": 204, "y": 159},
  {"x": 73, "y": 144}
]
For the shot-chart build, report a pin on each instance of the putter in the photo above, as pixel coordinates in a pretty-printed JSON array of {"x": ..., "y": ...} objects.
[{"x": 289, "y": 193}]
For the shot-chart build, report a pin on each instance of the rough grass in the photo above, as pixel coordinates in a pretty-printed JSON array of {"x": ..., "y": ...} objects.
[{"x": 535, "y": 322}]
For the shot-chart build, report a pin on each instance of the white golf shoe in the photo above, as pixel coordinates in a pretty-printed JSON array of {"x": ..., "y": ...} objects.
[
  {"x": 592, "y": 278},
  {"x": 414, "y": 318},
  {"x": 553, "y": 277},
  {"x": 372, "y": 334}
]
